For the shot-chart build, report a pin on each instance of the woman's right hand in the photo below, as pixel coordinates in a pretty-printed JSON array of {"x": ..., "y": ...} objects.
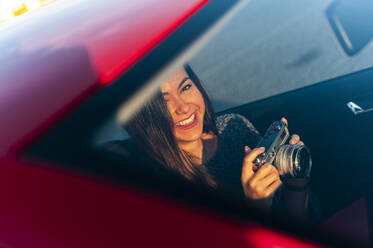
[{"x": 261, "y": 183}]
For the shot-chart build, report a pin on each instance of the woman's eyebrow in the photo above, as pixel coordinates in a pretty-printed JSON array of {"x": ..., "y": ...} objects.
[
  {"x": 180, "y": 84},
  {"x": 182, "y": 81}
]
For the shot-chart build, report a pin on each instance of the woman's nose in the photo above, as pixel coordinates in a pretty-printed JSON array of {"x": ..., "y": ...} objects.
[{"x": 182, "y": 106}]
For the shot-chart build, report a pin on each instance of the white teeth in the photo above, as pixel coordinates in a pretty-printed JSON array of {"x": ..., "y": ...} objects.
[{"x": 187, "y": 121}]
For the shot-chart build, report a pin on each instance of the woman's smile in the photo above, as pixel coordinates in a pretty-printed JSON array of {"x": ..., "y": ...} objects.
[{"x": 188, "y": 123}]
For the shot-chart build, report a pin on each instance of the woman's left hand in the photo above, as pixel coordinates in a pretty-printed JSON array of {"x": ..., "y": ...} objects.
[{"x": 295, "y": 139}]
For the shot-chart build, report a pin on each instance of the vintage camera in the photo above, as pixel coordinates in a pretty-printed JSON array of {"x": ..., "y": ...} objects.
[{"x": 290, "y": 160}]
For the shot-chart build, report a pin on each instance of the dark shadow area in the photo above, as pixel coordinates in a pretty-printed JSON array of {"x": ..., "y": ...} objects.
[{"x": 305, "y": 58}]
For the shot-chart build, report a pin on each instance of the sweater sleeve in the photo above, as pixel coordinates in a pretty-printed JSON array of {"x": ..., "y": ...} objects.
[
  {"x": 294, "y": 198},
  {"x": 239, "y": 128}
]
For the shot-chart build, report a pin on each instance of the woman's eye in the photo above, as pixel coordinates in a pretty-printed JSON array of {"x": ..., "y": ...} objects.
[{"x": 186, "y": 87}]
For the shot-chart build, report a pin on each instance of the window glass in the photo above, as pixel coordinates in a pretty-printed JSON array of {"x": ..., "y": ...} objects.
[
  {"x": 203, "y": 127},
  {"x": 274, "y": 47},
  {"x": 267, "y": 49}
]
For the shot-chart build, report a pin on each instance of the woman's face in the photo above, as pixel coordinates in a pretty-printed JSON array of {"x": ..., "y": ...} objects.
[{"x": 186, "y": 106}]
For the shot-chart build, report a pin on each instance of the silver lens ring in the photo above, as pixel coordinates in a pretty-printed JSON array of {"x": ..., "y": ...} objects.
[
  {"x": 303, "y": 161},
  {"x": 293, "y": 161}
]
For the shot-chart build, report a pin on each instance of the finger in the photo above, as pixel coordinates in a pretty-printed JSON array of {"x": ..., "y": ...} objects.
[
  {"x": 269, "y": 179},
  {"x": 251, "y": 156},
  {"x": 300, "y": 143},
  {"x": 247, "y": 150},
  {"x": 247, "y": 166},
  {"x": 283, "y": 119},
  {"x": 294, "y": 139},
  {"x": 272, "y": 188},
  {"x": 262, "y": 172},
  {"x": 263, "y": 183},
  {"x": 255, "y": 167}
]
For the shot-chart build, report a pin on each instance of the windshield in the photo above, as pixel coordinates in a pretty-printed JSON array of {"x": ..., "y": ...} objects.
[{"x": 277, "y": 46}]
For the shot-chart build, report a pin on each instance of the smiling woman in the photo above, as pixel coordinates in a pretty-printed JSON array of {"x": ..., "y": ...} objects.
[
  {"x": 172, "y": 126},
  {"x": 186, "y": 106},
  {"x": 178, "y": 129}
]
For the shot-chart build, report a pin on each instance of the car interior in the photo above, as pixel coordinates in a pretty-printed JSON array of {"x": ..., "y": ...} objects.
[
  {"x": 333, "y": 117},
  {"x": 336, "y": 136}
]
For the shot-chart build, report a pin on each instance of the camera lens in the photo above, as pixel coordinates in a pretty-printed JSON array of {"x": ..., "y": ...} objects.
[{"x": 293, "y": 161}]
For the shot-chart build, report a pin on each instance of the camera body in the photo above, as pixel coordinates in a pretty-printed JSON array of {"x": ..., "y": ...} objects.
[
  {"x": 276, "y": 135},
  {"x": 290, "y": 160}
]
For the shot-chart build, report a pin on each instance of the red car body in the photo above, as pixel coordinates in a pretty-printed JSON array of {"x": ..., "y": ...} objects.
[{"x": 43, "y": 206}]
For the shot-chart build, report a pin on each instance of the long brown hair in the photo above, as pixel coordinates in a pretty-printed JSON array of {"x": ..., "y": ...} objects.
[{"x": 152, "y": 130}]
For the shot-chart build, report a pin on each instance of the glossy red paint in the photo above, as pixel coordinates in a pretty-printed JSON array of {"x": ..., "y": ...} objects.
[
  {"x": 262, "y": 237},
  {"x": 48, "y": 208},
  {"x": 58, "y": 55}
]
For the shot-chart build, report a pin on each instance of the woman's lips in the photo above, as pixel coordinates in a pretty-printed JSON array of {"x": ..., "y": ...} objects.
[{"x": 188, "y": 123}]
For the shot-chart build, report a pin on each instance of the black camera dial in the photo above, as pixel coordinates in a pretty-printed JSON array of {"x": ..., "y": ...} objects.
[{"x": 260, "y": 159}]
